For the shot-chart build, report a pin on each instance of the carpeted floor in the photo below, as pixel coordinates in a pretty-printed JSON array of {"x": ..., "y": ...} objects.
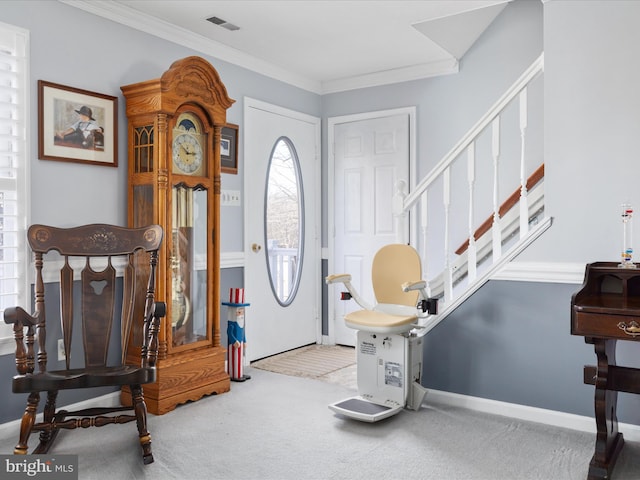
[
  {"x": 329, "y": 363},
  {"x": 278, "y": 427}
]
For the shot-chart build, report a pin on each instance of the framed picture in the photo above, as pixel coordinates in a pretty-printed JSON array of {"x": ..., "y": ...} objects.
[
  {"x": 76, "y": 125},
  {"x": 229, "y": 149}
]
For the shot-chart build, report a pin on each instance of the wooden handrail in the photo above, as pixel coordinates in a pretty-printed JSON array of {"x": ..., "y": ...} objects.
[{"x": 507, "y": 205}]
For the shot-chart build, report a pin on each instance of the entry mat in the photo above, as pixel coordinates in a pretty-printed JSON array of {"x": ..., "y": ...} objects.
[{"x": 332, "y": 363}]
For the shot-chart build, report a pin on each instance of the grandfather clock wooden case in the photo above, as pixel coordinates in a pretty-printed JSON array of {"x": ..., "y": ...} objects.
[{"x": 174, "y": 180}]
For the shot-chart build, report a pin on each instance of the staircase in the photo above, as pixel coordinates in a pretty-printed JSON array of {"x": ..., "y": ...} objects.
[{"x": 513, "y": 224}]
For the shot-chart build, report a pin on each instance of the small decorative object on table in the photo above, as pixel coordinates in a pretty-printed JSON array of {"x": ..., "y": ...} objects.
[{"x": 627, "y": 246}]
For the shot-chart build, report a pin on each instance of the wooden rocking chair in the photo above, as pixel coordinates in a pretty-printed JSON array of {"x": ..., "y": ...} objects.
[{"x": 102, "y": 300}]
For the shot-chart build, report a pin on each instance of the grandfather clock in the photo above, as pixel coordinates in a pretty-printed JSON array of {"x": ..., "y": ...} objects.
[{"x": 174, "y": 180}]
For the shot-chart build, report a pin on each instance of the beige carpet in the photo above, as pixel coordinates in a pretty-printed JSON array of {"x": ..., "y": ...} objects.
[{"x": 329, "y": 363}]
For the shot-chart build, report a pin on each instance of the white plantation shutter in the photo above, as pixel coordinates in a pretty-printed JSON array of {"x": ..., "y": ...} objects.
[{"x": 14, "y": 162}]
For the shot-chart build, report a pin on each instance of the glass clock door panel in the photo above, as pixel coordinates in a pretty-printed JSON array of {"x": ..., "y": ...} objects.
[{"x": 188, "y": 265}]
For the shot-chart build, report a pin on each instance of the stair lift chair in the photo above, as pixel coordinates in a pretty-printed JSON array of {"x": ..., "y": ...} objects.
[{"x": 389, "y": 346}]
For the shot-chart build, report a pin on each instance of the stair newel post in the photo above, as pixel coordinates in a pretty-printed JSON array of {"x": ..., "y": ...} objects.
[
  {"x": 424, "y": 214},
  {"x": 398, "y": 211},
  {"x": 524, "y": 205},
  {"x": 448, "y": 278},
  {"x": 471, "y": 177},
  {"x": 496, "y": 228}
]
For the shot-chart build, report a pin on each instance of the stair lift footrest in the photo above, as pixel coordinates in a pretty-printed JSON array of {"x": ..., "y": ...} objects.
[{"x": 361, "y": 409}]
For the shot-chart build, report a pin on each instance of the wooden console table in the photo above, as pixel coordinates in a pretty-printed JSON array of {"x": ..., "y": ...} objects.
[{"x": 605, "y": 310}]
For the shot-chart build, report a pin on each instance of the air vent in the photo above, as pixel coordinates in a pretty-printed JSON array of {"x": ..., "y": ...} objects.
[{"x": 223, "y": 23}]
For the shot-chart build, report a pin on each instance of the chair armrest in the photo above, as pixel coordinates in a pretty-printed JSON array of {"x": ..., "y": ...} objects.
[
  {"x": 426, "y": 304},
  {"x": 345, "y": 278},
  {"x": 25, "y": 356},
  {"x": 18, "y": 315},
  {"x": 410, "y": 286},
  {"x": 339, "y": 277}
]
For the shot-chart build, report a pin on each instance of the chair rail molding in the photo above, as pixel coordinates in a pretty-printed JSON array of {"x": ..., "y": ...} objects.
[{"x": 542, "y": 272}]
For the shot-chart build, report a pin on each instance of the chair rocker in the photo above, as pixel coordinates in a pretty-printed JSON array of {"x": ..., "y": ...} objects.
[
  {"x": 389, "y": 347},
  {"x": 93, "y": 250}
]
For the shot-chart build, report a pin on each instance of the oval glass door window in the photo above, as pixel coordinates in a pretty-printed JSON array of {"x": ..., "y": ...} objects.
[{"x": 284, "y": 221}]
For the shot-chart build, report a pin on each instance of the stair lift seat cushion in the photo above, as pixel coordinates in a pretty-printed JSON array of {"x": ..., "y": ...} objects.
[
  {"x": 379, "y": 322},
  {"x": 393, "y": 266}
]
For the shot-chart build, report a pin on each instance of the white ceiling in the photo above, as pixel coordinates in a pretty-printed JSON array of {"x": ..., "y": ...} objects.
[{"x": 320, "y": 45}]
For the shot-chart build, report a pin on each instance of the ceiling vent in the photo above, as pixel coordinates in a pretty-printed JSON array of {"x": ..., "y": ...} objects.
[{"x": 223, "y": 23}]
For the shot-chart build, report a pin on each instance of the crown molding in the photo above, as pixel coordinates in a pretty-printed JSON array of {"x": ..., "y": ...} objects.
[
  {"x": 132, "y": 18},
  {"x": 397, "y": 75}
]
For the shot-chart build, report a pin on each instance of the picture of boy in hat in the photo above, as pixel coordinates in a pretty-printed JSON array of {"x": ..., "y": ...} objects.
[{"x": 85, "y": 132}]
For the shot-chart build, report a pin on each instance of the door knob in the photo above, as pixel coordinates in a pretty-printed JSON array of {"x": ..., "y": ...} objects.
[{"x": 256, "y": 248}]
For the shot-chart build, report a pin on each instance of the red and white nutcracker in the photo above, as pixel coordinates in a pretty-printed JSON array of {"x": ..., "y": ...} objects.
[{"x": 236, "y": 338}]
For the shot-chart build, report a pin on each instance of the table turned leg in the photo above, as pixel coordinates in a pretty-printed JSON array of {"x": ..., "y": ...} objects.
[{"x": 609, "y": 441}]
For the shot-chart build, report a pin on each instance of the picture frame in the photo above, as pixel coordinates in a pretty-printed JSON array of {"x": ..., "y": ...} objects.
[
  {"x": 229, "y": 149},
  {"x": 76, "y": 125}
]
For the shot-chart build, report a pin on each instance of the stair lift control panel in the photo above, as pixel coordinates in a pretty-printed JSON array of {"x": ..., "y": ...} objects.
[{"x": 389, "y": 367}]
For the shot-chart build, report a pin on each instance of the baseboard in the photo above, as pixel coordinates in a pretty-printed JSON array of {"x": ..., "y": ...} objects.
[{"x": 532, "y": 414}]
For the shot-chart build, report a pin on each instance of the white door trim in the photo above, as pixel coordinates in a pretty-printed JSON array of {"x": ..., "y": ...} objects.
[
  {"x": 314, "y": 222},
  {"x": 332, "y": 122}
]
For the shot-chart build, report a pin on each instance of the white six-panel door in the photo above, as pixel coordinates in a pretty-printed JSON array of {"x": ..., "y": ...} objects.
[{"x": 369, "y": 156}]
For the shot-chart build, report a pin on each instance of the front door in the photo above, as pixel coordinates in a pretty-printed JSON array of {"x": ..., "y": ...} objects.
[
  {"x": 371, "y": 153},
  {"x": 282, "y": 224}
]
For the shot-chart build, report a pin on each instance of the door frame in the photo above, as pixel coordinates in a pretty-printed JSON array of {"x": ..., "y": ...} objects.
[
  {"x": 332, "y": 123},
  {"x": 315, "y": 222}
]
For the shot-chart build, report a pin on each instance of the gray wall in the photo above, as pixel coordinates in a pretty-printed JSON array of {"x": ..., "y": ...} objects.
[{"x": 592, "y": 102}]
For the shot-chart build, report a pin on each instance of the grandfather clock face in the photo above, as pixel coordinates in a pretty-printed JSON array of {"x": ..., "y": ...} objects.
[{"x": 188, "y": 146}]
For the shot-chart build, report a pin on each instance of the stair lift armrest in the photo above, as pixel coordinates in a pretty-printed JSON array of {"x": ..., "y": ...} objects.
[
  {"x": 426, "y": 304},
  {"x": 419, "y": 285},
  {"x": 338, "y": 278},
  {"x": 345, "y": 279}
]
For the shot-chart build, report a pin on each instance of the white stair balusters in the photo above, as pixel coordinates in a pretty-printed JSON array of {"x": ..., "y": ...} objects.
[
  {"x": 399, "y": 213},
  {"x": 524, "y": 204},
  {"x": 495, "y": 153},
  {"x": 446, "y": 200},
  {"x": 424, "y": 213},
  {"x": 462, "y": 273},
  {"x": 471, "y": 249}
]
